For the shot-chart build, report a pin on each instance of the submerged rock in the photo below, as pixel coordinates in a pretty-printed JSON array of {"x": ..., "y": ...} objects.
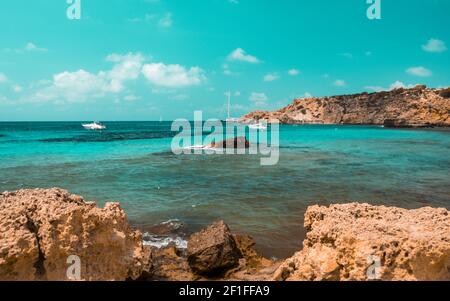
[
  {"x": 365, "y": 242},
  {"x": 41, "y": 228},
  {"x": 213, "y": 250}
]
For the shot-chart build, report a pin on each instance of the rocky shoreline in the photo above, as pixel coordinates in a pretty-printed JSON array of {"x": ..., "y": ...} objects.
[
  {"x": 418, "y": 107},
  {"x": 40, "y": 229}
]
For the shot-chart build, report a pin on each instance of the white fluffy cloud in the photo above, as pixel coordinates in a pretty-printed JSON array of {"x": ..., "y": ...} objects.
[
  {"x": 398, "y": 84},
  {"x": 307, "y": 95},
  {"x": 173, "y": 76},
  {"x": 75, "y": 86},
  {"x": 241, "y": 55},
  {"x": 226, "y": 69},
  {"x": 4, "y": 100},
  {"x": 340, "y": 83},
  {"x": 17, "y": 88},
  {"x": 395, "y": 85},
  {"x": 160, "y": 20},
  {"x": 259, "y": 99},
  {"x": 166, "y": 21},
  {"x": 4, "y": 79},
  {"x": 131, "y": 97},
  {"x": 271, "y": 77},
  {"x": 347, "y": 55},
  {"x": 32, "y": 47},
  {"x": 29, "y": 47},
  {"x": 82, "y": 85},
  {"x": 180, "y": 97},
  {"x": 293, "y": 72},
  {"x": 434, "y": 45},
  {"x": 127, "y": 67},
  {"x": 419, "y": 71}
]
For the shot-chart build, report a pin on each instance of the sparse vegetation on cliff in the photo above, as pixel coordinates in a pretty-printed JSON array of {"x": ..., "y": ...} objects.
[
  {"x": 418, "y": 106},
  {"x": 445, "y": 93}
]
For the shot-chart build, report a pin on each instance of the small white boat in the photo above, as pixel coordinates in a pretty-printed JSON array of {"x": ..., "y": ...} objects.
[
  {"x": 230, "y": 119},
  {"x": 258, "y": 126},
  {"x": 94, "y": 126}
]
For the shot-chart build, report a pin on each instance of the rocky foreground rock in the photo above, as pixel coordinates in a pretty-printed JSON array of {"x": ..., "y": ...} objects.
[
  {"x": 415, "y": 107},
  {"x": 213, "y": 250},
  {"x": 41, "y": 229},
  {"x": 364, "y": 242}
]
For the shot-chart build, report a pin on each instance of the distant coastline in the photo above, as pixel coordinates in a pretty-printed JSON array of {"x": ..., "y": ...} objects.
[{"x": 399, "y": 108}]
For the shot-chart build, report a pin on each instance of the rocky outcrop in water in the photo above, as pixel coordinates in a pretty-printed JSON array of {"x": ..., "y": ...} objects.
[
  {"x": 40, "y": 229},
  {"x": 364, "y": 242},
  {"x": 416, "y": 107},
  {"x": 236, "y": 142}
]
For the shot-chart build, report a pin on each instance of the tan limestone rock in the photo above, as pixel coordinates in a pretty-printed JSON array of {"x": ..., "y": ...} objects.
[{"x": 365, "y": 242}]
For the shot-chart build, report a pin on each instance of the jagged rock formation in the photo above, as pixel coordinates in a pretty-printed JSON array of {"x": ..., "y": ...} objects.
[
  {"x": 418, "y": 106},
  {"x": 252, "y": 266},
  {"x": 213, "y": 250},
  {"x": 41, "y": 228},
  {"x": 214, "y": 253},
  {"x": 364, "y": 242}
]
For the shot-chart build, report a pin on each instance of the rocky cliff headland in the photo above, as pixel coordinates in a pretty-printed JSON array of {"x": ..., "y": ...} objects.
[
  {"x": 41, "y": 229},
  {"x": 415, "y": 107}
]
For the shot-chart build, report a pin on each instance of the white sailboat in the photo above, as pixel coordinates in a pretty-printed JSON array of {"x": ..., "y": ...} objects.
[
  {"x": 94, "y": 126},
  {"x": 229, "y": 118}
]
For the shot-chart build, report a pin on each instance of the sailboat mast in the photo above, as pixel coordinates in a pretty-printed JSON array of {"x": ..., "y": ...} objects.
[{"x": 229, "y": 103}]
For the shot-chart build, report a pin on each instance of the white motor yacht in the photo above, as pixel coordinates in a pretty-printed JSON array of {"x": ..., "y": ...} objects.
[
  {"x": 258, "y": 126},
  {"x": 94, "y": 126}
]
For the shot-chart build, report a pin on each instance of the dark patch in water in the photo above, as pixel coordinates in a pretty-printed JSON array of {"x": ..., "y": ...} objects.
[
  {"x": 109, "y": 137},
  {"x": 163, "y": 154},
  {"x": 293, "y": 147},
  {"x": 115, "y": 136}
]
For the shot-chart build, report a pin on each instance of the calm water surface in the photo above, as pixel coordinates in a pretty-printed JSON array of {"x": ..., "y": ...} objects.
[{"x": 131, "y": 162}]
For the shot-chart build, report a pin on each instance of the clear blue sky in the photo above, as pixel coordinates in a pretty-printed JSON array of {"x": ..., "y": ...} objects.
[{"x": 146, "y": 59}]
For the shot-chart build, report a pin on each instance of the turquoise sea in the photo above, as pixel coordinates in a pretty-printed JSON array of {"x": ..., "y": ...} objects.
[{"x": 170, "y": 196}]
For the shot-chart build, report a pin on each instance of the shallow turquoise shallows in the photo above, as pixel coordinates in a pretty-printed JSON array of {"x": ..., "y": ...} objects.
[{"x": 132, "y": 162}]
